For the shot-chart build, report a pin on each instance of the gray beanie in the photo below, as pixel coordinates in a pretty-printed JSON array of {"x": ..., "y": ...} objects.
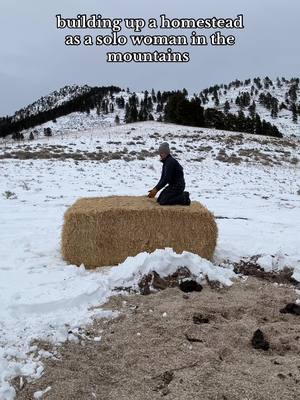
[{"x": 164, "y": 148}]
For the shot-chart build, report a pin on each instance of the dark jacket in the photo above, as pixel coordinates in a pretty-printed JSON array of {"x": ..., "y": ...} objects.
[{"x": 172, "y": 174}]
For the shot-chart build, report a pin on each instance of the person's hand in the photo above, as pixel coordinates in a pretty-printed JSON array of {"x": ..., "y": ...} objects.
[{"x": 152, "y": 193}]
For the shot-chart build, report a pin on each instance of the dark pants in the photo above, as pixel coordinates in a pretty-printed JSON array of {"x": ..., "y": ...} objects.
[{"x": 172, "y": 195}]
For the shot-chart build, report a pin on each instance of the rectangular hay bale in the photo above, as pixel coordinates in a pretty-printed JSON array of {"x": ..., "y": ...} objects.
[{"x": 104, "y": 231}]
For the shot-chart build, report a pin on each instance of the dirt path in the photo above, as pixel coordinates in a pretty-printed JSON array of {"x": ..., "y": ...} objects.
[{"x": 161, "y": 347}]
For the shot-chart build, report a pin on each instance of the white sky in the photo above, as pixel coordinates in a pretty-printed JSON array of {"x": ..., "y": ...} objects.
[{"x": 35, "y": 61}]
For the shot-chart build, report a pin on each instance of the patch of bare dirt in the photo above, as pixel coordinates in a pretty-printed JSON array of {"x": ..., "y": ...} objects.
[
  {"x": 215, "y": 344},
  {"x": 251, "y": 267}
]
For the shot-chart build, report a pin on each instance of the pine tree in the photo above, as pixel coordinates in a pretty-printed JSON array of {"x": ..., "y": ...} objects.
[
  {"x": 146, "y": 93},
  {"x": 226, "y": 107},
  {"x": 159, "y": 107},
  {"x": 120, "y": 102},
  {"x": 293, "y": 93},
  {"x": 257, "y": 82},
  {"x": 117, "y": 119},
  {"x": 131, "y": 112},
  {"x": 143, "y": 115},
  {"x": 203, "y": 99},
  {"x": 153, "y": 96},
  {"x": 217, "y": 101},
  {"x": 252, "y": 109},
  {"x": 274, "y": 109},
  {"x": 158, "y": 96},
  {"x": 48, "y": 131},
  {"x": 258, "y": 125},
  {"x": 134, "y": 113},
  {"x": 215, "y": 95},
  {"x": 267, "y": 82},
  {"x": 182, "y": 111},
  {"x": 127, "y": 114},
  {"x": 150, "y": 104},
  {"x": 294, "y": 112},
  {"x": 241, "y": 120},
  {"x": 185, "y": 92},
  {"x": 279, "y": 85}
]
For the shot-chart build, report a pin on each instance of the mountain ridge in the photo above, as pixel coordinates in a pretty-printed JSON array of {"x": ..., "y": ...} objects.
[{"x": 276, "y": 101}]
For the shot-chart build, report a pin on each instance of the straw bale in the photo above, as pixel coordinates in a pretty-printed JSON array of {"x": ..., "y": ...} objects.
[{"x": 104, "y": 231}]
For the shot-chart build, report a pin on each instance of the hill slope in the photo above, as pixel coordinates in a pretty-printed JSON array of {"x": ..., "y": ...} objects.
[
  {"x": 249, "y": 182},
  {"x": 276, "y": 101},
  {"x": 77, "y": 108}
]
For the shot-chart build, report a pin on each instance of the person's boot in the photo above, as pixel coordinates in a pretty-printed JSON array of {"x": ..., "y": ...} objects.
[{"x": 187, "y": 200}]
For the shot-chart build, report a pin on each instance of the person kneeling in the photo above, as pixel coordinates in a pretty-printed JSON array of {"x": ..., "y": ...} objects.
[{"x": 173, "y": 176}]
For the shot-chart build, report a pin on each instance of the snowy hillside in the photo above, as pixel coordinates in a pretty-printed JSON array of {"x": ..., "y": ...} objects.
[
  {"x": 51, "y": 101},
  {"x": 276, "y": 101},
  {"x": 282, "y": 93},
  {"x": 80, "y": 121},
  {"x": 250, "y": 183}
]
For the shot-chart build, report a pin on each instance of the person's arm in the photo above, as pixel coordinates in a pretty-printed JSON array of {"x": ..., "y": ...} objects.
[{"x": 166, "y": 174}]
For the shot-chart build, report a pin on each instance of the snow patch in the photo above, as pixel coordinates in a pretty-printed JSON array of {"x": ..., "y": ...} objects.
[
  {"x": 277, "y": 263},
  {"x": 79, "y": 291},
  {"x": 39, "y": 394}
]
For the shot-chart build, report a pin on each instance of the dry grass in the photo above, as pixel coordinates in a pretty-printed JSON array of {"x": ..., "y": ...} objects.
[
  {"x": 56, "y": 153},
  {"x": 105, "y": 231}
]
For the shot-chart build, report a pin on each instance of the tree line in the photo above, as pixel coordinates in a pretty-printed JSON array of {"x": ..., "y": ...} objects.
[
  {"x": 170, "y": 106},
  {"x": 180, "y": 110},
  {"x": 82, "y": 103},
  {"x": 175, "y": 107}
]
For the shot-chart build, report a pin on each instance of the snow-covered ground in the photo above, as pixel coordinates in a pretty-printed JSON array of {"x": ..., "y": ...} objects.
[
  {"x": 82, "y": 121},
  {"x": 254, "y": 192},
  {"x": 284, "y": 120},
  {"x": 76, "y": 121}
]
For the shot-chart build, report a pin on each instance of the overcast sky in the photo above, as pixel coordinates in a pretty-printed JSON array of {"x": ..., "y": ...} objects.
[{"x": 35, "y": 61}]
